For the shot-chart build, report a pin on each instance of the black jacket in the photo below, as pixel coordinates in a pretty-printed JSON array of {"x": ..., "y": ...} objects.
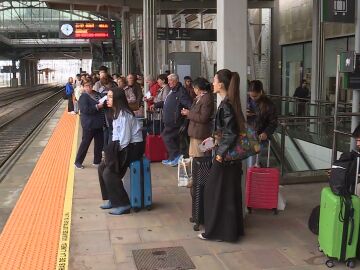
[
  {"x": 302, "y": 93},
  {"x": 266, "y": 116},
  {"x": 177, "y": 99},
  {"x": 226, "y": 127},
  {"x": 90, "y": 117}
]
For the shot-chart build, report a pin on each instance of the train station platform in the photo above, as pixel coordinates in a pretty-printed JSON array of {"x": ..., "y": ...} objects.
[{"x": 57, "y": 224}]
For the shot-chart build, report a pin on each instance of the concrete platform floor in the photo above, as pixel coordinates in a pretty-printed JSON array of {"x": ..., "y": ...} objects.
[
  {"x": 101, "y": 241},
  {"x": 104, "y": 242}
]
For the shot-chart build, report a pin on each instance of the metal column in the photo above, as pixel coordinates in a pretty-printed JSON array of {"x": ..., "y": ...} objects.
[
  {"x": 126, "y": 68},
  {"x": 232, "y": 17},
  {"x": 317, "y": 53},
  {"x": 149, "y": 29},
  {"x": 356, "y": 93},
  {"x": 22, "y": 73},
  {"x": 14, "y": 81},
  {"x": 36, "y": 81},
  {"x": 28, "y": 73}
]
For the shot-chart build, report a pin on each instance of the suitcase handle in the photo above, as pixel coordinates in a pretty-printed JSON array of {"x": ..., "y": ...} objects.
[
  {"x": 152, "y": 116},
  {"x": 268, "y": 156},
  {"x": 352, "y": 224}
]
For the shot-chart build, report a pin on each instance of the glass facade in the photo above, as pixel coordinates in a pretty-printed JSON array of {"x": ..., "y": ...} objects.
[{"x": 297, "y": 60}]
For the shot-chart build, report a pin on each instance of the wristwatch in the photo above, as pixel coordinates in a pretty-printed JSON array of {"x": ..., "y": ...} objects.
[{"x": 219, "y": 158}]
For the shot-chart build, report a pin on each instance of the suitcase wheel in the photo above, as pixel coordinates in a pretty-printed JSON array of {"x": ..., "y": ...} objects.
[
  {"x": 250, "y": 210},
  {"x": 330, "y": 263},
  {"x": 350, "y": 263},
  {"x": 148, "y": 207},
  {"x": 136, "y": 209},
  {"x": 275, "y": 211},
  {"x": 196, "y": 227},
  {"x": 191, "y": 220}
]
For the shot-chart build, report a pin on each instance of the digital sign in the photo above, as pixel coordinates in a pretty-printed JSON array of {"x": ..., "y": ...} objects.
[
  {"x": 186, "y": 34},
  {"x": 87, "y": 29}
]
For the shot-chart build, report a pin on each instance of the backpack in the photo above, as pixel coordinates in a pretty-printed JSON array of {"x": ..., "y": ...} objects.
[
  {"x": 314, "y": 218},
  {"x": 342, "y": 176}
]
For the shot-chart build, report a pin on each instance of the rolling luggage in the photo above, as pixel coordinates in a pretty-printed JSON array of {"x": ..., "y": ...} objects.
[
  {"x": 262, "y": 187},
  {"x": 339, "y": 226},
  {"x": 200, "y": 173},
  {"x": 155, "y": 149},
  {"x": 140, "y": 184}
]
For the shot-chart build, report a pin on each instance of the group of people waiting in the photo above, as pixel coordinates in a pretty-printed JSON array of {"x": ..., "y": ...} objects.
[{"x": 191, "y": 105}]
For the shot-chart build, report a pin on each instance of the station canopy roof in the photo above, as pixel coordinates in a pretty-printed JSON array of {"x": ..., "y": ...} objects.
[{"x": 111, "y": 7}]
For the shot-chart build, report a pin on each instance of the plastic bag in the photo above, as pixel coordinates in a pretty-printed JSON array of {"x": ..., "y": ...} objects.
[
  {"x": 184, "y": 171},
  {"x": 281, "y": 200}
]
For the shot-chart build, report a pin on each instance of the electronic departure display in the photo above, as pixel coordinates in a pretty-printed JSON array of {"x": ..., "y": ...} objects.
[{"x": 87, "y": 30}]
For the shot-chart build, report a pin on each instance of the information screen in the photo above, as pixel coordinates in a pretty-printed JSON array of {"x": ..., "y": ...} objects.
[{"x": 87, "y": 30}]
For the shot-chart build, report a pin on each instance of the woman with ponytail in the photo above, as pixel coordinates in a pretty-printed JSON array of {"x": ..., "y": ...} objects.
[{"x": 223, "y": 195}]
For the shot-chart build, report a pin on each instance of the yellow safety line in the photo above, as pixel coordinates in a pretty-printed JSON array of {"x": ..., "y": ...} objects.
[{"x": 62, "y": 262}]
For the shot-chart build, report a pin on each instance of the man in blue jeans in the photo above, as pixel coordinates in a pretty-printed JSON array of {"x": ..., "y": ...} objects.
[{"x": 177, "y": 99}]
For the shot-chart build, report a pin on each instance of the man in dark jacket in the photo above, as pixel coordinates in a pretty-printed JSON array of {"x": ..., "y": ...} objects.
[
  {"x": 92, "y": 122},
  {"x": 303, "y": 94},
  {"x": 177, "y": 99}
]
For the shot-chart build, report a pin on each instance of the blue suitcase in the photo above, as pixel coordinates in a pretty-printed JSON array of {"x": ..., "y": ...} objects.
[{"x": 140, "y": 184}]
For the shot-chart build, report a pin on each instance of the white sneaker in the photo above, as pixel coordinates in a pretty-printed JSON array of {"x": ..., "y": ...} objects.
[{"x": 200, "y": 235}]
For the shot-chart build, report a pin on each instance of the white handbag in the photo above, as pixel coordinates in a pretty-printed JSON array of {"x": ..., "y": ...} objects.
[{"x": 184, "y": 171}]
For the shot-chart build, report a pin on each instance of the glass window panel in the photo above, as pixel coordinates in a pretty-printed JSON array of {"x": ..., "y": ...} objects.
[
  {"x": 332, "y": 48},
  {"x": 291, "y": 68}
]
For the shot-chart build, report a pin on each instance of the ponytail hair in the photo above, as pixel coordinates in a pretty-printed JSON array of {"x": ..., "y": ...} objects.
[
  {"x": 234, "y": 99},
  {"x": 231, "y": 81}
]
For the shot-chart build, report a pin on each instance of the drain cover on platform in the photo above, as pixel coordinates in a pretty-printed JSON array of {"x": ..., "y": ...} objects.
[{"x": 168, "y": 258}]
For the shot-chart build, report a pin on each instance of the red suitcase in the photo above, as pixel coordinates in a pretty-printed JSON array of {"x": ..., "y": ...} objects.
[
  {"x": 262, "y": 187},
  {"x": 155, "y": 149}
]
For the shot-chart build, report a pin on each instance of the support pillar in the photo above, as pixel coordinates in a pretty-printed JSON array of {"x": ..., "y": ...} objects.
[
  {"x": 356, "y": 93},
  {"x": 317, "y": 53},
  {"x": 36, "y": 81},
  {"x": 22, "y": 73},
  {"x": 232, "y": 20},
  {"x": 149, "y": 39},
  {"x": 14, "y": 81},
  {"x": 163, "y": 48},
  {"x": 28, "y": 73},
  {"x": 126, "y": 67}
]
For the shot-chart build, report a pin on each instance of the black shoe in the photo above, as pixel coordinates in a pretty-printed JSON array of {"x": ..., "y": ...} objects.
[{"x": 79, "y": 166}]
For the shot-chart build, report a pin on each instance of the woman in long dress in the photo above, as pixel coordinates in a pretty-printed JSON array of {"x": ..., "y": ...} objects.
[{"x": 223, "y": 196}]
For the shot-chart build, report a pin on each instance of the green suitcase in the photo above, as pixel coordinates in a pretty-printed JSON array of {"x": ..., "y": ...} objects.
[{"x": 339, "y": 227}]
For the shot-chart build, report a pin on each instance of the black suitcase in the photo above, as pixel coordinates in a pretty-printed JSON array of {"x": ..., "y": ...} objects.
[{"x": 200, "y": 173}]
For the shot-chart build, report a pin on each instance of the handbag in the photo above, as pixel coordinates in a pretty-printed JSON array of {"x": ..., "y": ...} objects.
[
  {"x": 184, "y": 172},
  {"x": 247, "y": 144}
]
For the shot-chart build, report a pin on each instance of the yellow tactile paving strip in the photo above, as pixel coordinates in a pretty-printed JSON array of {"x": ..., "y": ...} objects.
[{"x": 30, "y": 238}]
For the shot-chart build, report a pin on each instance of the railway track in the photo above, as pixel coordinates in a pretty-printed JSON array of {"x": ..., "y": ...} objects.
[{"x": 16, "y": 132}]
